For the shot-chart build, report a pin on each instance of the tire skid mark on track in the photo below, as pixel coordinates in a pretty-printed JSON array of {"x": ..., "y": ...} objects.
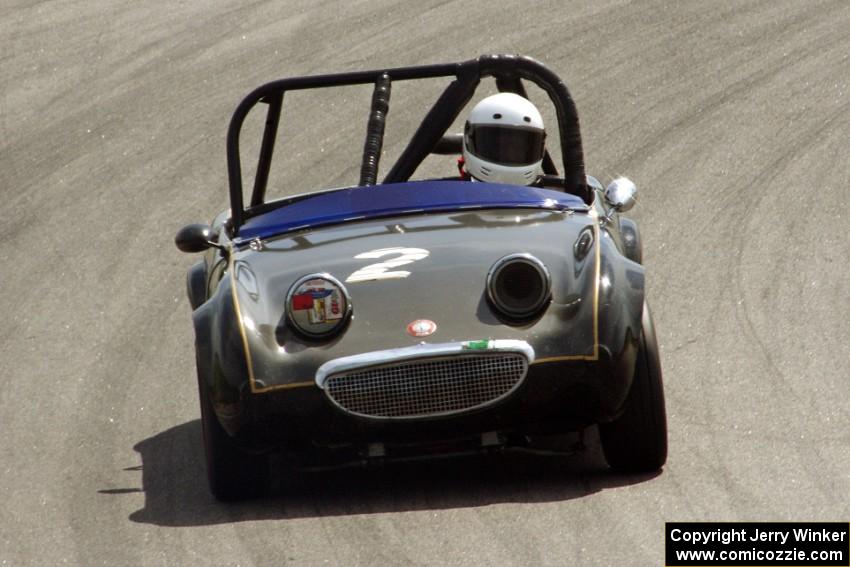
[
  {"x": 707, "y": 106},
  {"x": 770, "y": 189}
]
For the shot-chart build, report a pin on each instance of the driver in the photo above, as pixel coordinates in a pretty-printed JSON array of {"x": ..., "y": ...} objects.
[{"x": 503, "y": 141}]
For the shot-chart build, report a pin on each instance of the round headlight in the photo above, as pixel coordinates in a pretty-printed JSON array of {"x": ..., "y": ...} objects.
[
  {"x": 318, "y": 306},
  {"x": 519, "y": 287}
]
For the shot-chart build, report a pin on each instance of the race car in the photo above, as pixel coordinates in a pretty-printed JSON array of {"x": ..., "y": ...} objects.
[{"x": 404, "y": 318}]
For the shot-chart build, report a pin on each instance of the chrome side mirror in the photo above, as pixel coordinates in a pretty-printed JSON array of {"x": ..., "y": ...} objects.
[
  {"x": 193, "y": 238},
  {"x": 621, "y": 194}
]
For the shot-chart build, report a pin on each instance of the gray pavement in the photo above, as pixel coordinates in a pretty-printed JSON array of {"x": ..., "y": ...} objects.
[{"x": 732, "y": 117}]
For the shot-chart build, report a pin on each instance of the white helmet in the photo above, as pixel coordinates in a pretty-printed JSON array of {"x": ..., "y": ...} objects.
[{"x": 503, "y": 140}]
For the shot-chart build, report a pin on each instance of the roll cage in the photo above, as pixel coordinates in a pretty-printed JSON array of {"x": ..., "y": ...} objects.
[{"x": 508, "y": 70}]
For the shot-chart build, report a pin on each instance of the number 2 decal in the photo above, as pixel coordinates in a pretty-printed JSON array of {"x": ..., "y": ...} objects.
[{"x": 381, "y": 270}]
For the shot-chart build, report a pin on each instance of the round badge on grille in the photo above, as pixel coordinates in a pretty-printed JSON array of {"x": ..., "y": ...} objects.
[{"x": 421, "y": 328}]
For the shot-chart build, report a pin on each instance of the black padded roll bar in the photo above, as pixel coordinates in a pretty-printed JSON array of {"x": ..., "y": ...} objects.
[
  {"x": 514, "y": 85},
  {"x": 520, "y": 67},
  {"x": 375, "y": 130},
  {"x": 267, "y": 150},
  {"x": 507, "y": 69},
  {"x": 435, "y": 123},
  {"x": 449, "y": 145}
]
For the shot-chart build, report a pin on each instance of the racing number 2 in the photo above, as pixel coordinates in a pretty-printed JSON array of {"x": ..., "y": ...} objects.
[{"x": 381, "y": 270}]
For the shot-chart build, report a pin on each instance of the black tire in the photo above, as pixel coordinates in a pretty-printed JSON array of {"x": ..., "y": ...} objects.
[
  {"x": 637, "y": 440},
  {"x": 232, "y": 473}
]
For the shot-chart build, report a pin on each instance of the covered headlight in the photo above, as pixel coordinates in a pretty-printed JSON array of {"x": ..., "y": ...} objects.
[
  {"x": 519, "y": 287},
  {"x": 318, "y": 306}
]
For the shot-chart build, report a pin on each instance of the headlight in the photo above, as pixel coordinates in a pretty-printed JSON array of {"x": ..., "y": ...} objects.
[
  {"x": 318, "y": 306},
  {"x": 519, "y": 287}
]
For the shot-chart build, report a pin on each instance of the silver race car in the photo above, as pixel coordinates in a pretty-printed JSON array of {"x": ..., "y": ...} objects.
[{"x": 401, "y": 319}]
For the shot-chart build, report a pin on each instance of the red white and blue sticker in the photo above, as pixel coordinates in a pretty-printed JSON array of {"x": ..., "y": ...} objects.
[{"x": 320, "y": 300}]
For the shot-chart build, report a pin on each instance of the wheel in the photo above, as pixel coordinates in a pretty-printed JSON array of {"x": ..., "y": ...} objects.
[
  {"x": 232, "y": 473},
  {"x": 637, "y": 440}
]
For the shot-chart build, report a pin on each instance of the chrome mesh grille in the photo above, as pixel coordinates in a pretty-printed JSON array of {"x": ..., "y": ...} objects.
[{"x": 426, "y": 387}]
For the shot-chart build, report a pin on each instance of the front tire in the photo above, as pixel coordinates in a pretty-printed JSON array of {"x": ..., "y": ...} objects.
[
  {"x": 637, "y": 440},
  {"x": 232, "y": 473}
]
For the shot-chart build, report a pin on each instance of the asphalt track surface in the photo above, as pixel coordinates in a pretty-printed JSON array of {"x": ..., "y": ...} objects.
[{"x": 732, "y": 117}]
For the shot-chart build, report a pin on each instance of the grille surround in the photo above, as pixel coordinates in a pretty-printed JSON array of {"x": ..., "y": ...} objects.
[{"x": 427, "y": 387}]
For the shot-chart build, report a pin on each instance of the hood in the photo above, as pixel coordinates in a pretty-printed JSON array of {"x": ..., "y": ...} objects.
[{"x": 421, "y": 266}]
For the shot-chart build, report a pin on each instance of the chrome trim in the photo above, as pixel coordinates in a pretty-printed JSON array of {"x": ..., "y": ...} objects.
[
  {"x": 340, "y": 393},
  {"x": 349, "y": 307},
  {"x": 536, "y": 264},
  {"x": 583, "y": 244},
  {"x": 593, "y": 182},
  {"x": 420, "y": 351},
  {"x": 621, "y": 194}
]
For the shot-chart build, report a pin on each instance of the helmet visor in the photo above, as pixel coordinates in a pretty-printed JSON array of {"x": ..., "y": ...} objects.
[{"x": 506, "y": 145}]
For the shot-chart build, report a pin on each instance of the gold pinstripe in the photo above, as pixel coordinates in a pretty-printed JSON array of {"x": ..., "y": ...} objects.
[
  {"x": 290, "y": 386},
  {"x": 230, "y": 268},
  {"x": 249, "y": 363},
  {"x": 598, "y": 260}
]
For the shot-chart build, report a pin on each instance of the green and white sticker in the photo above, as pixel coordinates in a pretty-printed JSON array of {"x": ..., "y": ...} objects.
[{"x": 483, "y": 344}]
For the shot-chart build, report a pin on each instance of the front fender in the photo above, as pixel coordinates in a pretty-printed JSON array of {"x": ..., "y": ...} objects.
[
  {"x": 196, "y": 284},
  {"x": 632, "y": 245},
  {"x": 621, "y": 300},
  {"x": 222, "y": 366}
]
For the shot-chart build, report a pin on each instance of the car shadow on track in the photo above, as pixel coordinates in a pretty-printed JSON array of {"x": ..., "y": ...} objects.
[{"x": 176, "y": 494}]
